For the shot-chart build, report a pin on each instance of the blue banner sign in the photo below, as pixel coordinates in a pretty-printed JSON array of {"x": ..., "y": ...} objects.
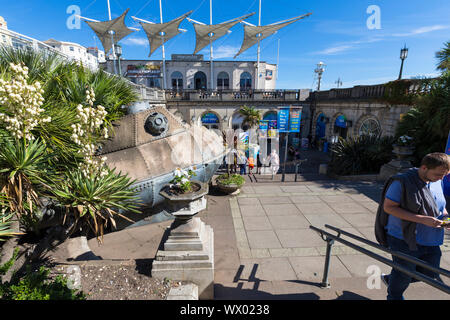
[
  {"x": 263, "y": 125},
  {"x": 210, "y": 118},
  {"x": 295, "y": 120},
  {"x": 341, "y": 121},
  {"x": 283, "y": 119}
]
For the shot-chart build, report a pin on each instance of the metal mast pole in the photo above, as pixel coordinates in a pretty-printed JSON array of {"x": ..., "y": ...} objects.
[
  {"x": 259, "y": 49},
  {"x": 112, "y": 38},
  {"x": 163, "y": 49},
  {"x": 278, "y": 56},
  {"x": 211, "y": 48}
]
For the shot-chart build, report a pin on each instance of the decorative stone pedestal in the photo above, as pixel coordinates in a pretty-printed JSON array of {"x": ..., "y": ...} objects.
[
  {"x": 188, "y": 252},
  {"x": 399, "y": 165}
]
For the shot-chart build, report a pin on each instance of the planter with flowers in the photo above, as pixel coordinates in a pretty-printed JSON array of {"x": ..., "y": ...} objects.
[
  {"x": 188, "y": 252},
  {"x": 229, "y": 183},
  {"x": 403, "y": 147},
  {"x": 184, "y": 197}
]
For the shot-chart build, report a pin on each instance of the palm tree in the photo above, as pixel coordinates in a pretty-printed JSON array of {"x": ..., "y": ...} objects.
[
  {"x": 251, "y": 116},
  {"x": 443, "y": 57}
]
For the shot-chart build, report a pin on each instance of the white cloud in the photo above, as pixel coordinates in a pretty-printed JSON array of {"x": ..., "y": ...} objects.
[
  {"x": 347, "y": 46},
  {"x": 136, "y": 41},
  {"x": 421, "y": 31},
  {"x": 336, "y": 49}
]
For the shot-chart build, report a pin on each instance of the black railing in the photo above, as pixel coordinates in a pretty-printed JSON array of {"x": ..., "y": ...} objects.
[{"x": 330, "y": 238}]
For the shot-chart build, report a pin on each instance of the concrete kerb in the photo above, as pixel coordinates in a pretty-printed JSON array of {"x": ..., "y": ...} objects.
[{"x": 188, "y": 291}]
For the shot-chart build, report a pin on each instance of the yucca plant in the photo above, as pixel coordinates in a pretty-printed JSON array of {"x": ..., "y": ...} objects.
[
  {"x": 360, "y": 154},
  {"x": 23, "y": 174},
  {"x": 95, "y": 200},
  {"x": 6, "y": 217}
]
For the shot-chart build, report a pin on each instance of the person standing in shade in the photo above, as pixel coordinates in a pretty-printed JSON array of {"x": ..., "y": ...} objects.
[
  {"x": 274, "y": 160},
  {"x": 243, "y": 164},
  {"x": 409, "y": 219}
]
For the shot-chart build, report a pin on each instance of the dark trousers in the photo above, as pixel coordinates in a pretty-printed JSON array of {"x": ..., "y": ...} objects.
[
  {"x": 398, "y": 281},
  {"x": 243, "y": 169}
]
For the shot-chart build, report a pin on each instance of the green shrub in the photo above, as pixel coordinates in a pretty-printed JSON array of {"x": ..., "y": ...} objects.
[
  {"x": 227, "y": 179},
  {"x": 363, "y": 154},
  {"x": 36, "y": 285}
]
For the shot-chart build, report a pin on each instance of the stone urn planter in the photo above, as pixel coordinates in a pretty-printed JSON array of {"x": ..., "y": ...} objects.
[
  {"x": 229, "y": 184},
  {"x": 402, "y": 152},
  {"x": 183, "y": 206},
  {"x": 187, "y": 254},
  {"x": 400, "y": 164}
]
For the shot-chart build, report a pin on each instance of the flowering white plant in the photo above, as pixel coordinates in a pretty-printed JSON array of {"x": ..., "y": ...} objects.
[
  {"x": 181, "y": 178},
  {"x": 22, "y": 103},
  {"x": 91, "y": 120},
  {"x": 404, "y": 141}
]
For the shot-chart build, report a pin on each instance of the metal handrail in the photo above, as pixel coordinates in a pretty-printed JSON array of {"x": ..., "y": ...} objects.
[
  {"x": 398, "y": 254},
  {"x": 330, "y": 238}
]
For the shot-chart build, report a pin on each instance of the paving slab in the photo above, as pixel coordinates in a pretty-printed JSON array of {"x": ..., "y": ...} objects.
[
  {"x": 256, "y": 223},
  {"x": 289, "y": 222},
  {"x": 360, "y": 219},
  {"x": 316, "y": 208},
  {"x": 321, "y": 220},
  {"x": 348, "y": 207},
  {"x": 299, "y": 238},
  {"x": 251, "y": 210},
  {"x": 275, "y": 200},
  {"x": 283, "y": 209},
  {"x": 311, "y": 268},
  {"x": 263, "y": 239},
  {"x": 305, "y": 199}
]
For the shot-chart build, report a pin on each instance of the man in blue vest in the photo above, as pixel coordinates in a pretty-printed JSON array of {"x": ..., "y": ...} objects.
[{"x": 409, "y": 219}]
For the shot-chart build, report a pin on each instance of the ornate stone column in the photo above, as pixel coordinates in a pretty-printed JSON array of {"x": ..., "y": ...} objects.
[{"x": 188, "y": 252}]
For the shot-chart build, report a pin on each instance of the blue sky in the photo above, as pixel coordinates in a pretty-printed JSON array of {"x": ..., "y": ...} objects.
[{"x": 336, "y": 33}]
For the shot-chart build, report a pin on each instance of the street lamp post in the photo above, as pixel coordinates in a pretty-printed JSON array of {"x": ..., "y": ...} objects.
[
  {"x": 319, "y": 70},
  {"x": 118, "y": 49},
  {"x": 403, "y": 56}
]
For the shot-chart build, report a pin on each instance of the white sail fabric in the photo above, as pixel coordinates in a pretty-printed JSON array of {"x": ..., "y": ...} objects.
[
  {"x": 169, "y": 30},
  {"x": 202, "y": 32},
  {"x": 251, "y": 32},
  {"x": 102, "y": 30}
]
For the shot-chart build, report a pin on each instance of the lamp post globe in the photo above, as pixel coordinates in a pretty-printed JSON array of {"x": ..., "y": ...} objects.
[
  {"x": 319, "y": 70},
  {"x": 403, "y": 56}
]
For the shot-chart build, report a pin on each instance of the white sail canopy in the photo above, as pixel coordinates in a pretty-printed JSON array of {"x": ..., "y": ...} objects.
[
  {"x": 159, "y": 33},
  {"x": 209, "y": 33},
  {"x": 251, "y": 32},
  {"x": 103, "y": 28}
]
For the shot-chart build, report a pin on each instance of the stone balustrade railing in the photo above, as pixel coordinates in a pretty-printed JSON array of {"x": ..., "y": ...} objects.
[{"x": 237, "y": 95}]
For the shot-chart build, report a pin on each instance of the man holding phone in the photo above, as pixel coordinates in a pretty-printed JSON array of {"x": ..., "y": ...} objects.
[{"x": 410, "y": 219}]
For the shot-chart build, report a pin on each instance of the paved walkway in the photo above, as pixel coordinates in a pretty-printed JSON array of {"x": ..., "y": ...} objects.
[
  {"x": 279, "y": 257},
  {"x": 264, "y": 248}
]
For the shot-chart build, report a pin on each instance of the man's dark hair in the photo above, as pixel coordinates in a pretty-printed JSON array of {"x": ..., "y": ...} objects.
[{"x": 436, "y": 159}]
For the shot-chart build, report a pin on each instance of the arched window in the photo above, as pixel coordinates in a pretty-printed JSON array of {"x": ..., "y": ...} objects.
[
  {"x": 340, "y": 126},
  {"x": 177, "y": 80},
  {"x": 223, "y": 81},
  {"x": 370, "y": 126},
  {"x": 246, "y": 81},
  {"x": 210, "y": 120},
  {"x": 200, "y": 80}
]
